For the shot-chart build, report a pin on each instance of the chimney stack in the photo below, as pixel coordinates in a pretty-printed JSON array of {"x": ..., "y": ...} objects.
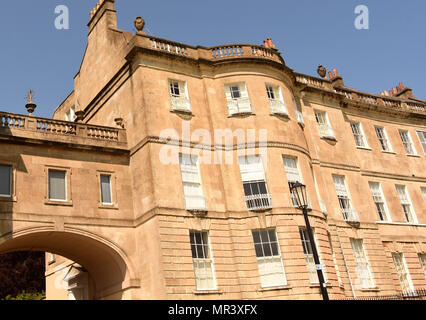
[
  {"x": 103, "y": 15},
  {"x": 401, "y": 91},
  {"x": 336, "y": 78}
]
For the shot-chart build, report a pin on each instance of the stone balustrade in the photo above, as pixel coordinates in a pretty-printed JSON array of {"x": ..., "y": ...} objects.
[
  {"x": 29, "y": 127},
  {"x": 218, "y": 53},
  {"x": 391, "y": 103}
]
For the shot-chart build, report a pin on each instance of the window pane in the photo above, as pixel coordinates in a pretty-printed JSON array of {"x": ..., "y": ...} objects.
[
  {"x": 106, "y": 189},
  {"x": 5, "y": 176},
  {"x": 259, "y": 251},
  {"x": 57, "y": 189}
]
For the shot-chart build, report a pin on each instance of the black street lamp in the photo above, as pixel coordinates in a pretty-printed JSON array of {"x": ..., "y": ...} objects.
[{"x": 299, "y": 191}]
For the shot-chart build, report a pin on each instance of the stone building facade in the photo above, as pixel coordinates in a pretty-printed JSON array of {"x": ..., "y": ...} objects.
[{"x": 165, "y": 175}]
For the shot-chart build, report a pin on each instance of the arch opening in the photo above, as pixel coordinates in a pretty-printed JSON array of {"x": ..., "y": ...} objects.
[{"x": 107, "y": 268}]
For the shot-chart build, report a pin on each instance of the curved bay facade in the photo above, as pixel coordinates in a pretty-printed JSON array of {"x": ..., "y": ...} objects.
[{"x": 153, "y": 222}]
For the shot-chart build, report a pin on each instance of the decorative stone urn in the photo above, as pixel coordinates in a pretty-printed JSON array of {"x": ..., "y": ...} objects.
[
  {"x": 119, "y": 122},
  {"x": 30, "y": 108},
  {"x": 322, "y": 71},
  {"x": 30, "y": 105},
  {"x": 139, "y": 24},
  {"x": 79, "y": 116}
]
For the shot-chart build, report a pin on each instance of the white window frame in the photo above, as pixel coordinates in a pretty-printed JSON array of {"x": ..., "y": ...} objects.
[
  {"x": 423, "y": 189},
  {"x": 422, "y": 260},
  {"x": 206, "y": 260},
  {"x": 343, "y": 196},
  {"x": 405, "y": 200},
  {"x": 110, "y": 188},
  {"x": 379, "y": 198},
  {"x": 10, "y": 181},
  {"x": 294, "y": 175},
  {"x": 179, "y": 102},
  {"x": 299, "y": 114},
  {"x": 325, "y": 129},
  {"x": 252, "y": 172},
  {"x": 422, "y": 138},
  {"x": 65, "y": 185},
  {"x": 383, "y": 138},
  {"x": 276, "y": 102},
  {"x": 272, "y": 261},
  {"x": 403, "y": 272},
  {"x": 362, "y": 270},
  {"x": 333, "y": 255},
  {"x": 407, "y": 142},
  {"x": 193, "y": 169},
  {"x": 309, "y": 256},
  {"x": 359, "y": 135},
  {"x": 238, "y": 105}
]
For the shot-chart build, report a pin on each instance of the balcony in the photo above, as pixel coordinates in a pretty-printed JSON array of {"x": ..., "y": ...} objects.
[
  {"x": 145, "y": 43},
  {"x": 239, "y": 106},
  {"x": 326, "y": 131},
  {"x": 350, "y": 215},
  {"x": 258, "y": 202},
  {"x": 195, "y": 203},
  {"x": 180, "y": 103},
  {"x": 31, "y": 129},
  {"x": 278, "y": 107}
]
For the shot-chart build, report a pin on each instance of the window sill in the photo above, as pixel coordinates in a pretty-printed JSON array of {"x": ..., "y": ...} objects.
[
  {"x": 413, "y": 155},
  {"x": 58, "y": 203},
  {"x": 401, "y": 223},
  {"x": 364, "y": 148},
  {"x": 282, "y": 287},
  {"x": 182, "y": 111},
  {"x": 207, "y": 292},
  {"x": 280, "y": 114},
  {"x": 8, "y": 199},
  {"x": 329, "y": 138},
  {"x": 241, "y": 114},
  {"x": 390, "y": 152},
  {"x": 108, "y": 206},
  {"x": 375, "y": 289}
]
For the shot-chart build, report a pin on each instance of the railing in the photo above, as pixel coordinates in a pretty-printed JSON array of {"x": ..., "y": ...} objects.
[
  {"x": 102, "y": 133},
  {"x": 171, "y": 47},
  {"x": 259, "y": 51},
  {"x": 305, "y": 79},
  {"x": 193, "y": 203},
  {"x": 180, "y": 103},
  {"x": 277, "y": 107},
  {"x": 227, "y": 51},
  {"x": 350, "y": 215},
  {"x": 237, "y": 106},
  {"x": 11, "y": 121},
  {"x": 42, "y": 128},
  {"x": 55, "y": 127},
  {"x": 326, "y": 131},
  {"x": 416, "y": 107},
  {"x": 259, "y": 202},
  {"x": 419, "y": 294}
]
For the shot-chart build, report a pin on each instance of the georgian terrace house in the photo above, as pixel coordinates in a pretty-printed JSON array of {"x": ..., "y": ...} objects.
[{"x": 90, "y": 186}]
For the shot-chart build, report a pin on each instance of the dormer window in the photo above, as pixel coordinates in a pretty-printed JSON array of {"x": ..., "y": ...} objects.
[
  {"x": 275, "y": 100},
  {"x": 179, "y": 98}
]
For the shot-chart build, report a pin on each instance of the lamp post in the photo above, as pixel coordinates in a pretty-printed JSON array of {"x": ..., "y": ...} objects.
[{"x": 299, "y": 190}]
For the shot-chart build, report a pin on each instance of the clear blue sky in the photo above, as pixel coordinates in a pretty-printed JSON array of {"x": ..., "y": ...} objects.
[{"x": 34, "y": 54}]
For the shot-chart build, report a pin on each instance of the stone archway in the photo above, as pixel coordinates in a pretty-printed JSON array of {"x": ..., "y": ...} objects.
[{"x": 107, "y": 264}]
